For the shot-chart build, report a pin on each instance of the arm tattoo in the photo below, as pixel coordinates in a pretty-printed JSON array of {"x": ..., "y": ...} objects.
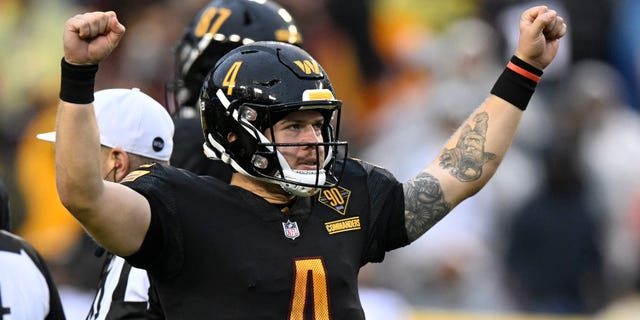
[
  {"x": 465, "y": 161},
  {"x": 424, "y": 204}
]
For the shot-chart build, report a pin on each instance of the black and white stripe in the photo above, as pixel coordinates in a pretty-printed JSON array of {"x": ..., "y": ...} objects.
[
  {"x": 123, "y": 292},
  {"x": 26, "y": 288}
]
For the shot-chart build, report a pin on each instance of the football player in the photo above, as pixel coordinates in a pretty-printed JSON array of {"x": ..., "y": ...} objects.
[
  {"x": 218, "y": 27},
  {"x": 286, "y": 237}
]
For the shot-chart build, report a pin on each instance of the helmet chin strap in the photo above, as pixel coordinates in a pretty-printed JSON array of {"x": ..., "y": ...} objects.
[
  {"x": 298, "y": 175},
  {"x": 312, "y": 177}
]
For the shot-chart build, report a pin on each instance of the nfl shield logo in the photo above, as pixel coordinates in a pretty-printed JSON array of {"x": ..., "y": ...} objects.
[{"x": 291, "y": 230}]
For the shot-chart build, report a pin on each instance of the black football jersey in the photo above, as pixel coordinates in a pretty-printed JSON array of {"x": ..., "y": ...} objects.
[{"x": 216, "y": 251}]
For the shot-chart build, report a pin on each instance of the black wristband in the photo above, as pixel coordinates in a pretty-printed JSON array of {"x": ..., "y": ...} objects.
[
  {"x": 517, "y": 83},
  {"x": 77, "y": 82}
]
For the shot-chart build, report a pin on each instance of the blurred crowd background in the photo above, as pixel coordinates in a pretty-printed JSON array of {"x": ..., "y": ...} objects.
[{"x": 556, "y": 232}]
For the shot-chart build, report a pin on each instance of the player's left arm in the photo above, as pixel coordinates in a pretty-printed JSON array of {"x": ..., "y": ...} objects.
[{"x": 472, "y": 155}]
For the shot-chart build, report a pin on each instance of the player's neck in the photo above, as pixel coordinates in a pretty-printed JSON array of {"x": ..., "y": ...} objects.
[{"x": 272, "y": 193}]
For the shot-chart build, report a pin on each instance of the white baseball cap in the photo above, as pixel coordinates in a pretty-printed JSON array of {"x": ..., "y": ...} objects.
[{"x": 133, "y": 121}]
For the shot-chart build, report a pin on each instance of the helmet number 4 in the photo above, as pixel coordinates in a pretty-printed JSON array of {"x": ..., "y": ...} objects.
[{"x": 230, "y": 79}]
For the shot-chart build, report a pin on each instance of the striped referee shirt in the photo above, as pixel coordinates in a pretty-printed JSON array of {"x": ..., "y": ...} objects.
[
  {"x": 27, "y": 291},
  {"x": 123, "y": 292}
]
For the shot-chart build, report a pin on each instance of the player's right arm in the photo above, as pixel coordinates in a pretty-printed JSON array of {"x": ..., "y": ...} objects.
[{"x": 114, "y": 215}]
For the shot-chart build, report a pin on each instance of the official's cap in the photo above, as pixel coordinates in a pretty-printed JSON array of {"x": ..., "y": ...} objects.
[{"x": 133, "y": 121}]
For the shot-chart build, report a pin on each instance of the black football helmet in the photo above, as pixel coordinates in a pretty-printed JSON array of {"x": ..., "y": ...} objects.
[
  {"x": 217, "y": 28},
  {"x": 249, "y": 90}
]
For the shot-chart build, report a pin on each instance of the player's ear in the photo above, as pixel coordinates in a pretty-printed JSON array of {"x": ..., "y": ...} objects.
[{"x": 121, "y": 165}]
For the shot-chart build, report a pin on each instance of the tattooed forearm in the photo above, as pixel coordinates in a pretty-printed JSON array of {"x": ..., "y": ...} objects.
[
  {"x": 424, "y": 204},
  {"x": 465, "y": 161}
]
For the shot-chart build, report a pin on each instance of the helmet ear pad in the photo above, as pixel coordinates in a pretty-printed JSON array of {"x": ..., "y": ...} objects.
[
  {"x": 240, "y": 151},
  {"x": 239, "y": 144},
  {"x": 244, "y": 147}
]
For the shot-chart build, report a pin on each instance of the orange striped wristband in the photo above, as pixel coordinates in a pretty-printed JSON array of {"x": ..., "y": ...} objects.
[
  {"x": 523, "y": 72},
  {"x": 517, "y": 83}
]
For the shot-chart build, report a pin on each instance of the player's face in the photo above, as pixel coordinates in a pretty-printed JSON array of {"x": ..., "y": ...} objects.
[{"x": 300, "y": 127}]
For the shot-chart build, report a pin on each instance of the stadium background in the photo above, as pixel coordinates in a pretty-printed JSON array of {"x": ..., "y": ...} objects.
[{"x": 406, "y": 71}]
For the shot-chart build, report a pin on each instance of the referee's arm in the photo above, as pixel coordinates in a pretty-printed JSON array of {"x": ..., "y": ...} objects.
[{"x": 114, "y": 215}]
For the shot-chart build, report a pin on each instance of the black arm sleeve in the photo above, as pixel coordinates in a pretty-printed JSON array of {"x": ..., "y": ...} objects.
[
  {"x": 387, "y": 230},
  {"x": 161, "y": 252}
]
